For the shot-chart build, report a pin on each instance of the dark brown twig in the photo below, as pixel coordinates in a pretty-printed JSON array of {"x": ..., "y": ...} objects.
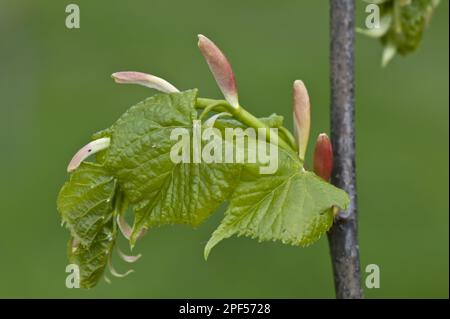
[{"x": 342, "y": 237}]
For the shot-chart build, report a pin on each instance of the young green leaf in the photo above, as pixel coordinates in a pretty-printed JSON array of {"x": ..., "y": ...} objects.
[
  {"x": 162, "y": 191},
  {"x": 85, "y": 202},
  {"x": 136, "y": 169},
  {"x": 93, "y": 259},
  {"x": 402, "y": 25},
  {"x": 292, "y": 206}
]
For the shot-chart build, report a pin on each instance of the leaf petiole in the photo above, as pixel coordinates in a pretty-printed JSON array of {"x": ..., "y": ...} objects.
[
  {"x": 288, "y": 137},
  {"x": 242, "y": 115},
  {"x": 212, "y": 107}
]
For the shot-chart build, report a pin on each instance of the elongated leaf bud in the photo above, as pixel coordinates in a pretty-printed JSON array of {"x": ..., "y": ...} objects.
[
  {"x": 323, "y": 157},
  {"x": 148, "y": 80},
  {"x": 87, "y": 150},
  {"x": 220, "y": 68},
  {"x": 302, "y": 117}
]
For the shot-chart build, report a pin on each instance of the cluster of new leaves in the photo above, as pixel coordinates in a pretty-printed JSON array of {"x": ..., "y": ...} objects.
[
  {"x": 401, "y": 25},
  {"x": 135, "y": 172}
]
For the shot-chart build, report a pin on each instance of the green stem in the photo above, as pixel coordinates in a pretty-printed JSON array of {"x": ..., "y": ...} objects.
[
  {"x": 242, "y": 115},
  {"x": 203, "y": 103},
  {"x": 120, "y": 203},
  {"x": 214, "y": 106},
  {"x": 288, "y": 137}
]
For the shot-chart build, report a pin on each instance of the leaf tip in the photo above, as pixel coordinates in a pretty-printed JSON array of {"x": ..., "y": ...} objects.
[{"x": 388, "y": 54}]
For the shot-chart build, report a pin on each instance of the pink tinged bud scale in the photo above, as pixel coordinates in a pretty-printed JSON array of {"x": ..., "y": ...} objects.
[
  {"x": 148, "y": 80},
  {"x": 126, "y": 229},
  {"x": 323, "y": 157},
  {"x": 114, "y": 272},
  {"x": 87, "y": 150},
  {"x": 128, "y": 258},
  {"x": 220, "y": 68},
  {"x": 302, "y": 116}
]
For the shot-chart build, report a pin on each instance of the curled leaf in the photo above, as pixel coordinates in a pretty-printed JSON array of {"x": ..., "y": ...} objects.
[
  {"x": 86, "y": 204},
  {"x": 402, "y": 25}
]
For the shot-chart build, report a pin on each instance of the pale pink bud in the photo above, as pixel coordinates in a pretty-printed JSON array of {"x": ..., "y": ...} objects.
[
  {"x": 302, "y": 117},
  {"x": 220, "y": 68},
  {"x": 148, "y": 80},
  {"x": 323, "y": 157},
  {"x": 87, "y": 150},
  {"x": 126, "y": 229}
]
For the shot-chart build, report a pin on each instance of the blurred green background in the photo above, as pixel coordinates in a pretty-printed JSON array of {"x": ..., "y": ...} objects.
[{"x": 56, "y": 90}]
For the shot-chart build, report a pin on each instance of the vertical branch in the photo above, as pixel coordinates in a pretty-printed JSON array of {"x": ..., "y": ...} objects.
[{"x": 342, "y": 237}]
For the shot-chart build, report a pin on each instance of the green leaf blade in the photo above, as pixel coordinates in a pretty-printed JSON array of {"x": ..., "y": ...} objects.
[
  {"x": 85, "y": 203},
  {"x": 92, "y": 260},
  {"x": 139, "y": 154},
  {"x": 192, "y": 193},
  {"x": 161, "y": 191},
  {"x": 294, "y": 209}
]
